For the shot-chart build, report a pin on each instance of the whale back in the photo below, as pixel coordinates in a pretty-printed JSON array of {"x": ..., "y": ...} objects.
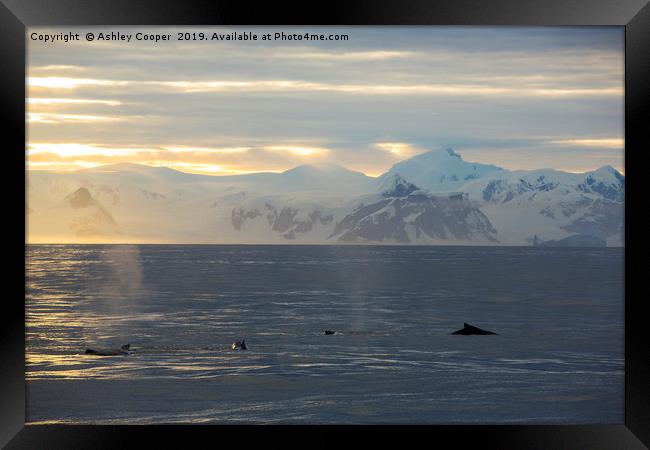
[
  {"x": 239, "y": 345},
  {"x": 470, "y": 330},
  {"x": 123, "y": 350}
]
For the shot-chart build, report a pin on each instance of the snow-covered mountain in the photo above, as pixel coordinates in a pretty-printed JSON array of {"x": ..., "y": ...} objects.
[
  {"x": 403, "y": 213},
  {"x": 553, "y": 205},
  {"x": 440, "y": 170},
  {"x": 432, "y": 198}
]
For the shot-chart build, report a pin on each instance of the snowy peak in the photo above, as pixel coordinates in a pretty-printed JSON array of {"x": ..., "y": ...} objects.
[
  {"x": 416, "y": 217},
  {"x": 326, "y": 176},
  {"x": 451, "y": 152},
  {"x": 308, "y": 169},
  {"x": 322, "y": 169},
  {"x": 605, "y": 181},
  {"x": 606, "y": 174},
  {"x": 396, "y": 186},
  {"x": 433, "y": 198},
  {"x": 129, "y": 168},
  {"x": 439, "y": 156},
  {"x": 607, "y": 169},
  {"x": 143, "y": 172},
  {"x": 440, "y": 170}
]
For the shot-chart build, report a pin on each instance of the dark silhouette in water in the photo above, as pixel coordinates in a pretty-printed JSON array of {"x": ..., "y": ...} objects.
[
  {"x": 123, "y": 350},
  {"x": 329, "y": 332},
  {"x": 240, "y": 345},
  {"x": 469, "y": 329}
]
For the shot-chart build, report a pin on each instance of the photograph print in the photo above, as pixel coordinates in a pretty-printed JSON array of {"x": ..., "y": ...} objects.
[{"x": 325, "y": 225}]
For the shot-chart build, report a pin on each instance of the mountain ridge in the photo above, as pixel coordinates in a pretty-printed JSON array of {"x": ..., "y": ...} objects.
[
  {"x": 455, "y": 202},
  {"x": 138, "y": 167}
]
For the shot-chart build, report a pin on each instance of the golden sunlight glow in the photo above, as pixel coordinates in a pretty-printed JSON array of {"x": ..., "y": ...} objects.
[
  {"x": 73, "y": 156},
  {"x": 57, "y": 67},
  {"x": 188, "y": 167},
  {"x": 617, "y": 143},
  {"x": 60, "y": 166},
  {"x": 298, "y": 150},
  {"x": 101, "y": 115},
  {"x": 396, "y": 148},
  {"x": 69, "y": 83},
  {"x": 181, "y": 149},
  {"x": 191, "y": 159},
  {"x": 33, "y": 117},
  {"x": 197, "y": 168},
  {"x": 73, "y": 150},
  {"x": 73, "y": 101}
]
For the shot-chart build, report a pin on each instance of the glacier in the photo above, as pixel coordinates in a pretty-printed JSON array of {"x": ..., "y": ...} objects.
[{"x": 434, "y": 198}]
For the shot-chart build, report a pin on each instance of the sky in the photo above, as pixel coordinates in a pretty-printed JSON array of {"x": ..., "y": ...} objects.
[{"x": 517, "y": 97}]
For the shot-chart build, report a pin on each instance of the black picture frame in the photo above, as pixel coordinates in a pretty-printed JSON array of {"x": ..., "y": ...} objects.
[{"x": 16, "y": 15}]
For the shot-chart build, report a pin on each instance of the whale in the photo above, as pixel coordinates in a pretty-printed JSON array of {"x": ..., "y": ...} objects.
[
  {"x": 469, "y": 330},
  {"x": 239, "y": 345},
  {"x": 123, "y": 350},
  {"x": 330, "y": 332}
]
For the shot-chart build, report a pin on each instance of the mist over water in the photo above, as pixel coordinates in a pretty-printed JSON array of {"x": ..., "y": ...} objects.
[
  {"x": 558, "y": 357},
  {"x": 125, "y": 279}
]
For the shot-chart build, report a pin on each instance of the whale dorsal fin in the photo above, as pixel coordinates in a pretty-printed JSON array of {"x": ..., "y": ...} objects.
[{"x": 466, "y": 325}]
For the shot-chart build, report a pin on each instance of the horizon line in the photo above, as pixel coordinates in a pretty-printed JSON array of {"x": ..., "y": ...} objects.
[{"x": 317, "y": 165}]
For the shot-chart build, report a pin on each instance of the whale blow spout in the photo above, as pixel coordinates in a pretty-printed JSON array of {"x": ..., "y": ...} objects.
[{"x": 469, "y": 330}]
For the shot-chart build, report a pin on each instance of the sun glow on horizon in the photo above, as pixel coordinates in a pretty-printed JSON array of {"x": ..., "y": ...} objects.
[{"x": 192, "y": 159}]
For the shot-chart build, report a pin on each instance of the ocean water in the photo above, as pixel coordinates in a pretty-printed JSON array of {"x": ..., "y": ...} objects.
[{"x": 558, "y": 356}]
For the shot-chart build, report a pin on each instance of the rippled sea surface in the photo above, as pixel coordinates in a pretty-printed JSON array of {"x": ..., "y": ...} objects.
[{"x": 558, "y": 357}]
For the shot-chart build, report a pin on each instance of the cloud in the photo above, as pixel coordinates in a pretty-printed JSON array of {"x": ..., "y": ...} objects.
[
  {"x": 214, "y": 150},
  {"x": 53, "y": 118},
  {"x": 616, "y": 143},
  {"x": 198, "y": 168},
  {"x": 70, "y": 101},
  {"x": 298, "y": 150},
  {"x": 398, "y": 148},
  {"x": 207, "y": 160},
  {"x": 75, "y": 150},
  {"x": 60, "y": 165},
  {"x": 58, "y": 68},
  {"x": 374, "y": 55},
  {"x": 385, "y": 94},
  {"x": 70, "y": 83},
  {"x": 520, "y": 89}
]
